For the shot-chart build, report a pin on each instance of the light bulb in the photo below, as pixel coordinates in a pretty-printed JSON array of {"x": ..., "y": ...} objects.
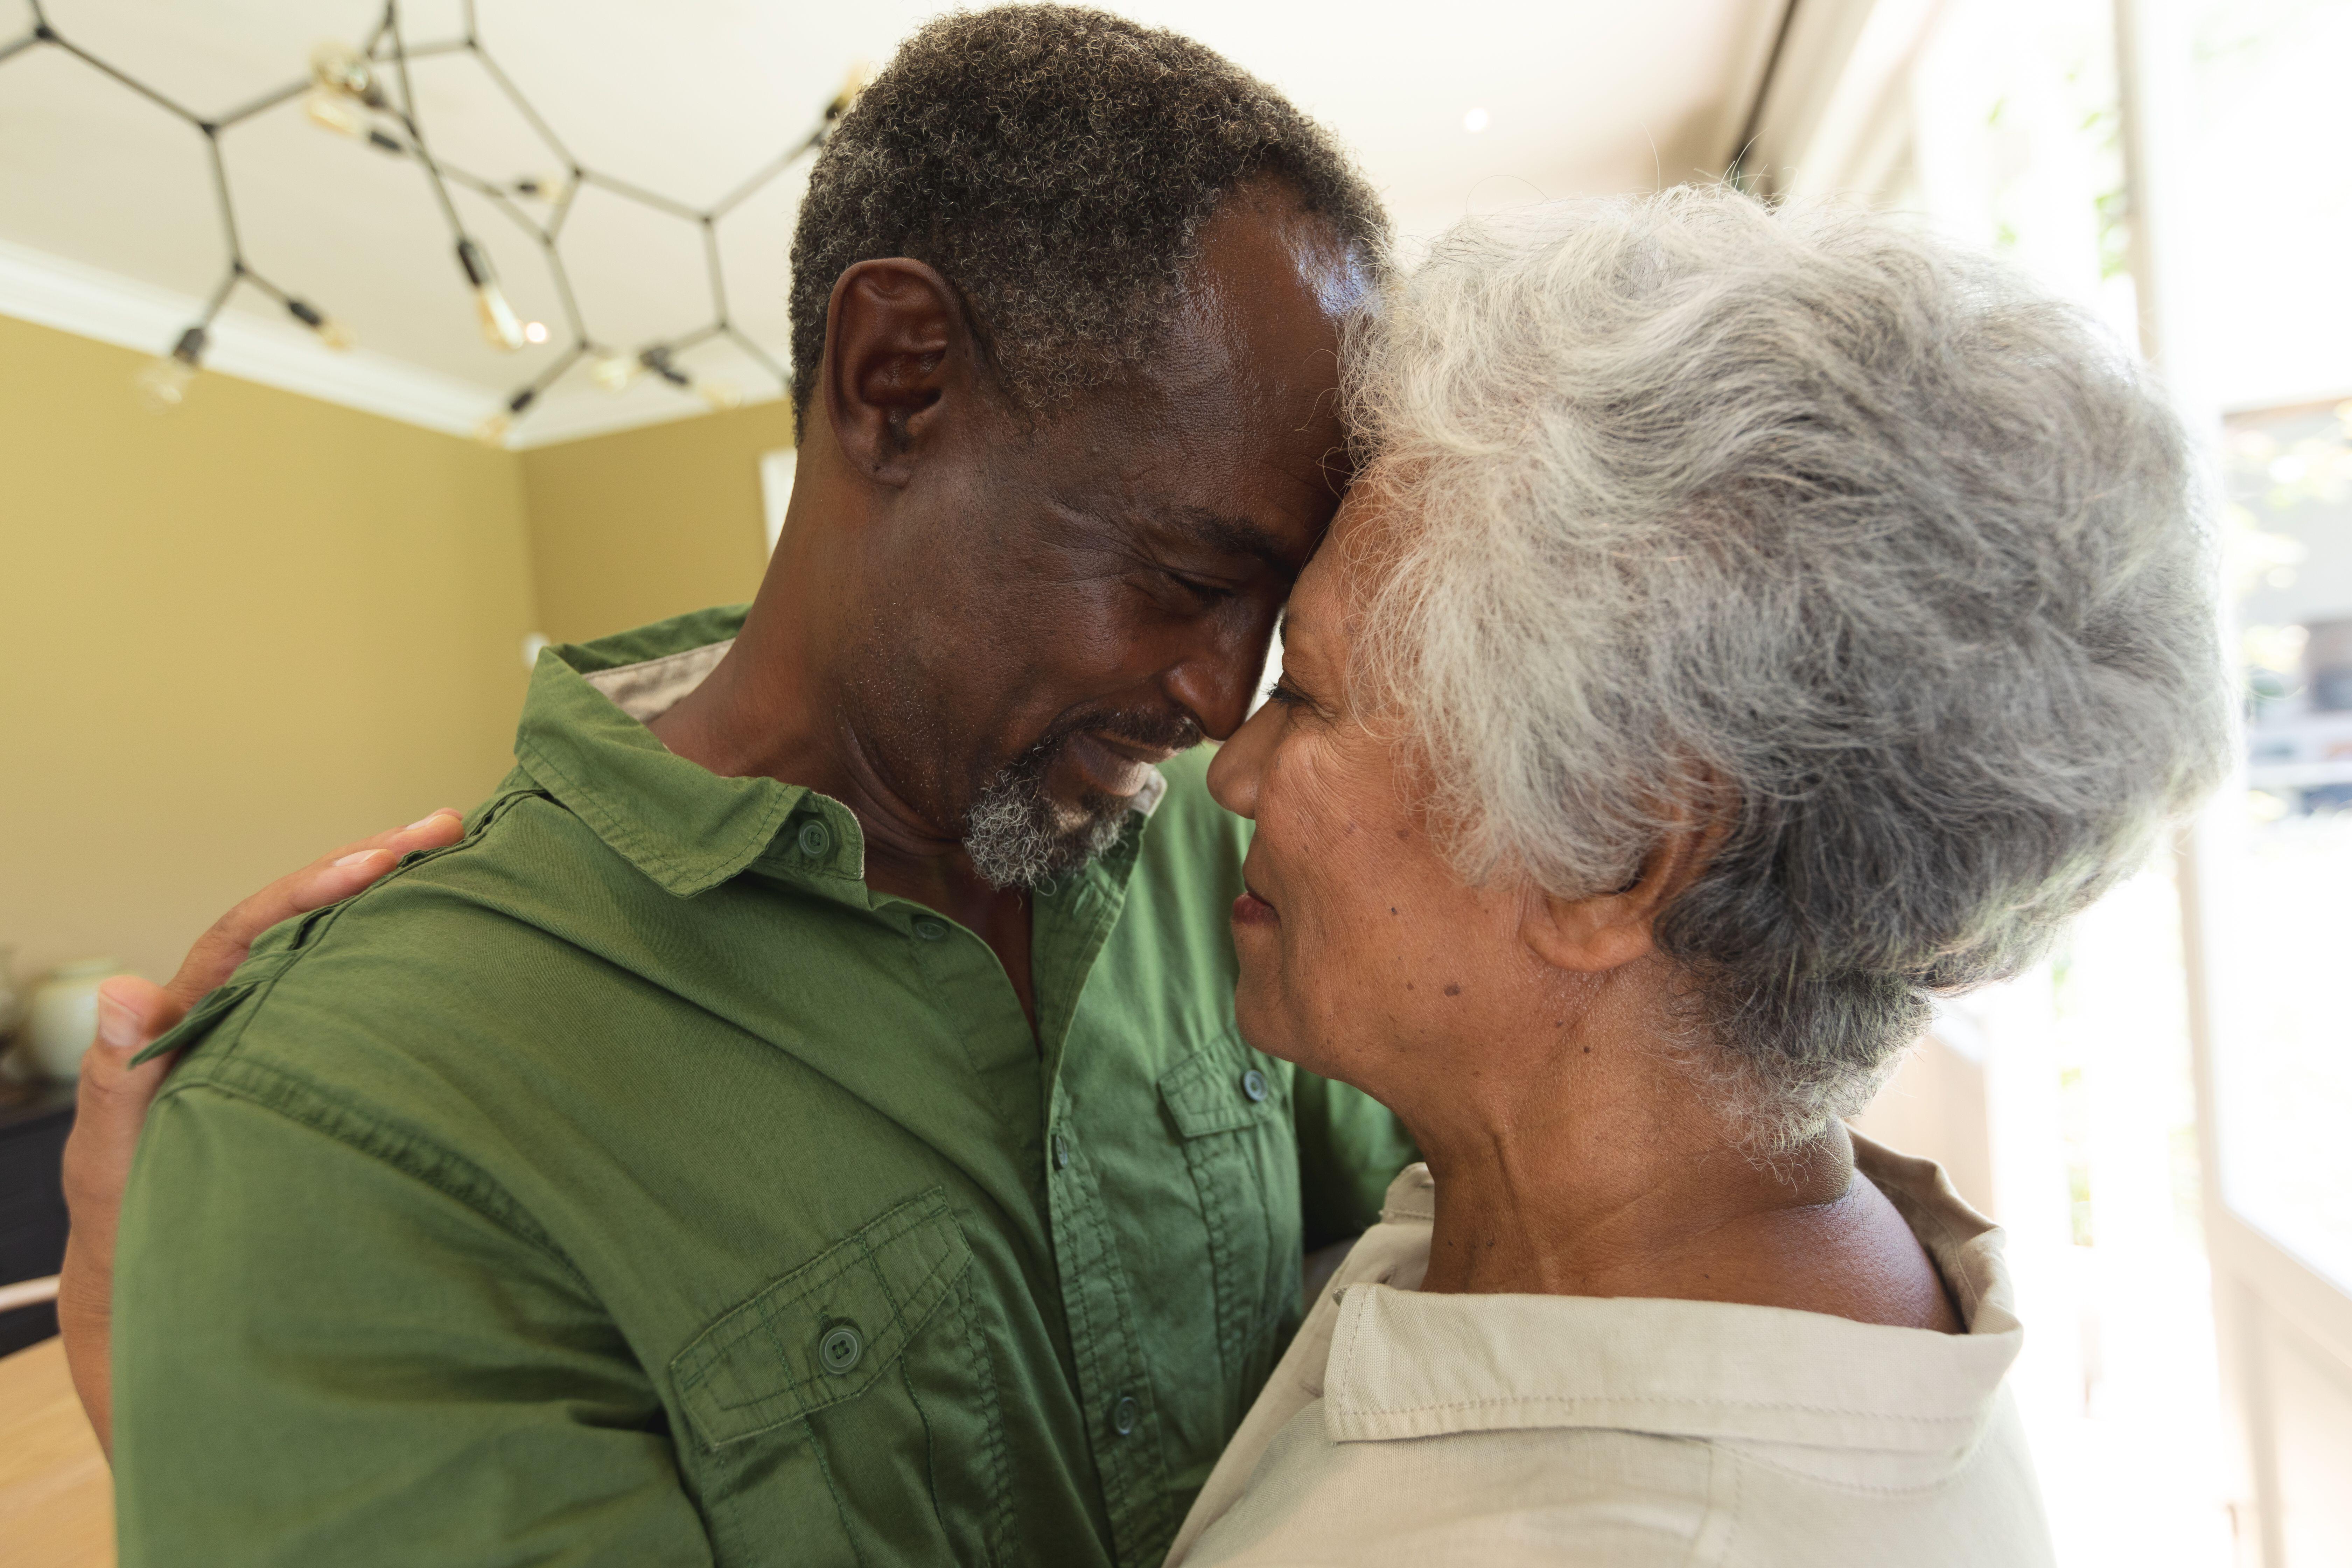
[
  {"x": 860, "y": 78},
  {"x": 492, "y": 432},
  {"x": 613, "y": 373},
  {"x": 164, "y": 383},
  {"x": 656, "y": 360},
  {"x": 501, "y": 327},
  {"x": 332, "y": 111},
  {"x": 1474, "y": 121},
  {"x": 534, "y": 331},
  {"x": 550, "y": 188},
  {"x": 330, "y": 332},
  {"x": 720, "y": 395},
  {"x": 339, "y": 68}
]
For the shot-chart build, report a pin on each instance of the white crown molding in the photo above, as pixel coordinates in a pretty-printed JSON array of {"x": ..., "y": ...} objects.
[
  {"x": 573, "y": 413},
  {"x": 51, "y": 291}
]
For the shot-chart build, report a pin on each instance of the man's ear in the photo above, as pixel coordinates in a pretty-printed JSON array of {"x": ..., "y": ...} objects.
[
  {"x": 896, "y": 352},
  {"x": 1606, "y": 930}
]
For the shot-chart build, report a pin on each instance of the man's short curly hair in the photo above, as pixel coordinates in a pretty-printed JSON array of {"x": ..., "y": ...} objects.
[{"x": 1055, "y": 163}]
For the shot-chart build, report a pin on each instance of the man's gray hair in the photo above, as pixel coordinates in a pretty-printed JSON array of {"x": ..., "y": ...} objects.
[
  {"x": 1055, "y": 163},
  {"x": 1801, "y": 521}
]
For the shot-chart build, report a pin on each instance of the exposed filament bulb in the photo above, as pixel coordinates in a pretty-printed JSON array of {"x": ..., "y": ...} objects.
[
  {"x": 163, "y": 383},
  {"x": 501, "y": 327}
]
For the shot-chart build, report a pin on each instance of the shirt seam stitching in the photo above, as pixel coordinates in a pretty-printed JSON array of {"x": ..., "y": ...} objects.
[
  {"x": 1649, "y": 1399},
  {"x": 393, "y": 1147},
  {"x": 1743, "y": 1458}
]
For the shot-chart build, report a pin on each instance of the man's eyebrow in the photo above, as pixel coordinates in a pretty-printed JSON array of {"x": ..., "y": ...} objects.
[{"x": 1233, "y": 536}]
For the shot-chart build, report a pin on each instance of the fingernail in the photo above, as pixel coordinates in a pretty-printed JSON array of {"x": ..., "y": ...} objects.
[
  {"x": 426, "y": 821},
  {"x": 118, "y": 1026},
  {"x": 355, "y": 856}
]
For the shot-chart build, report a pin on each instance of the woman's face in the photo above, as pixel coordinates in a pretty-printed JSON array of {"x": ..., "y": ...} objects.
[{"x": 1363, "y": 957}]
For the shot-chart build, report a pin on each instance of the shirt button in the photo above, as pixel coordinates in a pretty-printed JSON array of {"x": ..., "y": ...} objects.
[
  {"x": 1254, "y": 1084},
  {"x": 839, "y": 1350},
  {"x": 930, "y": 930},
  {"x": 816, "y": 838},
  {"x": 1061, "y": 1153},
  {"x": 1125, "y": 1415}
]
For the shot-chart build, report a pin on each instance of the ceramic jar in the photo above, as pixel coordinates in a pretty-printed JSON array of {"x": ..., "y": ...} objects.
[{"x": 62, "y": 1020}]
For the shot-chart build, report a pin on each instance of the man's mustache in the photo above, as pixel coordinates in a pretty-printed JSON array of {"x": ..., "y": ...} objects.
[{"x": 1156, "y": 729}]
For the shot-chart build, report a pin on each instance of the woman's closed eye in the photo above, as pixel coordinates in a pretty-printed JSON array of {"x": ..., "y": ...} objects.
[{"x": 1284, "y": 693}]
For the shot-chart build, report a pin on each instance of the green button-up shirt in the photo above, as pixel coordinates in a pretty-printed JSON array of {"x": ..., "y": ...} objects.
[{"x": 631, "y": 1184}]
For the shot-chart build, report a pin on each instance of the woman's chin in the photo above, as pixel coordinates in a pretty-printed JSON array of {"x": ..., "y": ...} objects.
[{"x": 1254, "y": 1014}]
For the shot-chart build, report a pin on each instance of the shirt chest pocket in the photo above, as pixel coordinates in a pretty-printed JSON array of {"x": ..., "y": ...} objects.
[
  {"x": 1230, "y": 1108},
  {"x": 856, "y": 1388}
]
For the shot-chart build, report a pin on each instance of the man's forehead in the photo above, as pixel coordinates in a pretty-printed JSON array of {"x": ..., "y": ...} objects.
[{"x": 1263, "y": 297}]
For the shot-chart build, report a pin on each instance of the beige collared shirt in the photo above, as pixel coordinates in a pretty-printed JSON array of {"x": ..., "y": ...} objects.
[{"x": 1432, "y": 1429}]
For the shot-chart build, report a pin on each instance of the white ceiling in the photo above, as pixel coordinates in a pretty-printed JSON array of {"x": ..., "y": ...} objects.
[{"x": 689, "y": 97}]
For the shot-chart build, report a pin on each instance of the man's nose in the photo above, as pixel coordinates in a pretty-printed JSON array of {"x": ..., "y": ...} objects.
[{"x": 1216, "y": 685}]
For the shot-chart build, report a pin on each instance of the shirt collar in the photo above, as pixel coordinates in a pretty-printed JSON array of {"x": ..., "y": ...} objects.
[
  {"x": 584, "y": 739},
  {"x": 1407, "y": 1364}
]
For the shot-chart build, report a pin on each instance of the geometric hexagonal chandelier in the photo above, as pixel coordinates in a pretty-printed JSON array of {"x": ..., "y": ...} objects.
[{"x": 363, "y": 92}]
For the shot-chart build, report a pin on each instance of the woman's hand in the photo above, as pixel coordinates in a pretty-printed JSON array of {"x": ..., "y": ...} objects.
[{"x": 111, "y": 1104}]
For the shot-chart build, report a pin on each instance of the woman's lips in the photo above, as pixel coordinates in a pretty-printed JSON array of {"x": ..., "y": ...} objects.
[{"x": 1249, "y": 910}]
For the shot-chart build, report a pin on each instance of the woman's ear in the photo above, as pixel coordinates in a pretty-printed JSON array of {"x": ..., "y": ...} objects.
[
  {"x": 1607, "y": 930},
  {"x": 897, "y": 355}
]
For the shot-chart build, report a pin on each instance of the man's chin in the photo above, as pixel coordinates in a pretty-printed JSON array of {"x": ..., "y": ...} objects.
[{"x": 1017, "y": 837}]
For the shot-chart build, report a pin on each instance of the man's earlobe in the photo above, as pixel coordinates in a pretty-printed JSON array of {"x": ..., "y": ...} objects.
[{"x": 896, "y": 354}]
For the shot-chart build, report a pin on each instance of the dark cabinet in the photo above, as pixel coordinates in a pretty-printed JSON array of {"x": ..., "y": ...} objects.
[{"x": 32, "y": 1128}]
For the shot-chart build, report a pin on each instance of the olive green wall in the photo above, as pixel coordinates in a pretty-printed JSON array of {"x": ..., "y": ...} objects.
[{"x": 237, "y": 635}]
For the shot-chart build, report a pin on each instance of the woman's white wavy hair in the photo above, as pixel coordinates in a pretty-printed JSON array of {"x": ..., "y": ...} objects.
[{"x": 1808, "y": 523}]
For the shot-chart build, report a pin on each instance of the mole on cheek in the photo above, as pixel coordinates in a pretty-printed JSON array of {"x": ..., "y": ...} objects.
[{"x": 1453, "y": 991}]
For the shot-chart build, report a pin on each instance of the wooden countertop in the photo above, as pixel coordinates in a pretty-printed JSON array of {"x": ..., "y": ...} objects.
[{"x": 57, "y": 1495}]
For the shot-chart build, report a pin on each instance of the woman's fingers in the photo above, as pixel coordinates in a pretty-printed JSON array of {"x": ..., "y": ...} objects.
[{"x": 339, "y": 875}]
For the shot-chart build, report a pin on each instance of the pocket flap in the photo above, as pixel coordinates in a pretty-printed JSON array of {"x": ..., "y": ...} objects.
[
  {"x": 783, "y": 1355},
  {"x": 1206, "y": 1092}
]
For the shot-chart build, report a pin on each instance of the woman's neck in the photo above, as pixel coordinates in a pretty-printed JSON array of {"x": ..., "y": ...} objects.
[{"x": 1628, "y": 1183}]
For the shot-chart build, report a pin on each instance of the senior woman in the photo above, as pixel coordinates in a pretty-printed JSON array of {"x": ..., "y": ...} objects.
[{"x": 1752, "y": 625}]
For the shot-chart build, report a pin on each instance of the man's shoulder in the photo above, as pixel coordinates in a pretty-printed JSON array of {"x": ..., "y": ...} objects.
[{"x": 459, "y": 954}]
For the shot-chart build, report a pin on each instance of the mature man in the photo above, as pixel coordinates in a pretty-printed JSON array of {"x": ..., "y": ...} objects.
[{"x": 801, "y": 1120}]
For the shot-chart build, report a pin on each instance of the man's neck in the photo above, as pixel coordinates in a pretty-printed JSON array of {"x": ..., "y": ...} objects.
[{"x": 771, "y": 709}]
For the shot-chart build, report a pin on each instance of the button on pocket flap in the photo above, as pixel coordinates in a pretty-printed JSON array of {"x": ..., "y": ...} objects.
[
  {"x": 825, "y": 1331},
  {"x": 1222, "y": 1090}
]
